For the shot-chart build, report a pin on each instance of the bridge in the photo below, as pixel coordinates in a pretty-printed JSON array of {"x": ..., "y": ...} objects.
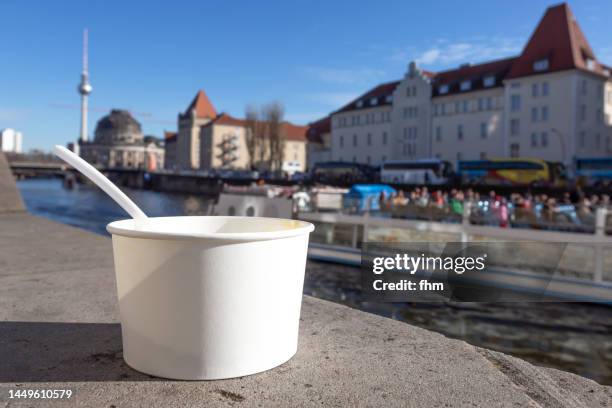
[{"x": 24, "y": 169}]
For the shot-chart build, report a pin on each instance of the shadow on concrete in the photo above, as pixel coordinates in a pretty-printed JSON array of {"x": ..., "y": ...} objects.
[{"x": 41, "y": 352}]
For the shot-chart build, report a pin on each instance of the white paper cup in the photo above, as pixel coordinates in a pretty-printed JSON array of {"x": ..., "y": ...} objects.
[{"x": 205, "y": 298}]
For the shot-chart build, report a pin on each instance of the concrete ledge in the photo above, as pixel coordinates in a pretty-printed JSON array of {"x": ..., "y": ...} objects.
[
  {"x": 10, "y": 199},
  {"x": 59, "y": 329}
]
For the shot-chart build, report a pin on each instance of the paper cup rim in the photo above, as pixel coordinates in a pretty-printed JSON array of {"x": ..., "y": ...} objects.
[{"x": 127, "y": 228}]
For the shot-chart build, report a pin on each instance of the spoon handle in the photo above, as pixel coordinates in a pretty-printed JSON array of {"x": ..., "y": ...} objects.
[{"x": 100, "y": 180}]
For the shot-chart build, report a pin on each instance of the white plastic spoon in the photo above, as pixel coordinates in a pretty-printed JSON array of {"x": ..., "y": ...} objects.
[{"x": 98, "y": 179}]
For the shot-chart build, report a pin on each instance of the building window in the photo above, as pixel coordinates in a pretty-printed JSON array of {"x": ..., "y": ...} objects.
[
  {"x": 465, "y": 85},
  {"x": 582, "y": 112},
  {"x": 481, "y": 104},
  {"x": 534, "y": 114},
  {"x": 534, "y": 90},
  {"x": 384, "y": 138},
  {"x": 598, "y": 116},
  {"x": 515, "y": 103},
  {"x": 443, "y": 109},
  {"x": 368, "y": 159},
  {"x": 534, "y": 140},
  {"x": 369, "y": 139},
  {"x": 405, "y": 113},
  {"x": 483, "y": 156},
  {"x": 544, "y": 88},
  {"x": 541, "y": 65},
  {"x": 483, "y": 130},
  {"x": 466, "y": 107},
  {"x": 582, "y": 139},
  {"x": 544, "y": 140},
  {"x": 544, "y": 113},
  {"x": 435, "y": 109},
  {"x": 457, "y": 107},
  {"x": 438, "y": 133},
  {"x": 597, "y": 141},
  {"x": 590, "y": 63},
  {"x": 584, "y": 87},
  {"x": 460, "y": 132},
  {"x": 414, "y": 90},
  {"x": 459, "y": 156},
  {"x": 515, "y": 150},
  {"x": 341, "y": 141},
  {"x": 384, "y": 158},
  {"x": 355, "y": 140},
  {"x": 514, "y": 127},
  {"x": 443, "y": 89},
  {"x": 489, "y": 103},
  {"x": 488, "y": 81}
]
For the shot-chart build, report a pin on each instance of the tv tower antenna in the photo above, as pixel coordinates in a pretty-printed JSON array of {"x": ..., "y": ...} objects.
[{"x": 84, "y": 89}]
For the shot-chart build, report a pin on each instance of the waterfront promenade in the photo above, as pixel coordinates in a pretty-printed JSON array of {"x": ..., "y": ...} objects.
[{"x": 59, "y": 329}]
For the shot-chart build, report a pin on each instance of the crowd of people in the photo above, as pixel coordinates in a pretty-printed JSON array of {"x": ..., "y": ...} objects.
[{"x": 494, "y": 209}]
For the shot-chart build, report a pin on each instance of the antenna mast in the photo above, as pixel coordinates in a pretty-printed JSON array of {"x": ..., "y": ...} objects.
[{"x": 85, "y": 51}]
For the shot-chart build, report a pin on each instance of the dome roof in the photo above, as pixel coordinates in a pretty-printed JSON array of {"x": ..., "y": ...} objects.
[{"x": 118, "y": 127}]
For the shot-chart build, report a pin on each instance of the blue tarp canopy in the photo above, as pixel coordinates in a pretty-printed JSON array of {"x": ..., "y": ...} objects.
[{"x": 366, "y": 196}]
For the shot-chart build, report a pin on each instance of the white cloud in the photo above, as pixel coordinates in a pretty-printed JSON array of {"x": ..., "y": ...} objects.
[
  {"x": 345, "y": 76},
  {"x": 444, "y": 52}
]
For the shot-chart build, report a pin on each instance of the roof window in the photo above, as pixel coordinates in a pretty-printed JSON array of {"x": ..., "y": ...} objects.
[
  {"x": 373, "y": 101},
  {"x": 488, "y": 81},
  {"x": 541, "y": 65},
  {"x": 443, "y": 89},
  {"x": 359, "y": 103},
  {"x": 465, "y": 85}
]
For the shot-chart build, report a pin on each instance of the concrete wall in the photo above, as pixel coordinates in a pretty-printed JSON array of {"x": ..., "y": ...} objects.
[{"x": 10, "y": 199}]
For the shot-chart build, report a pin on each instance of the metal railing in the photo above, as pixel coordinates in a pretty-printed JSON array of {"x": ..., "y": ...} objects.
[{"x": 350, "y": 230}]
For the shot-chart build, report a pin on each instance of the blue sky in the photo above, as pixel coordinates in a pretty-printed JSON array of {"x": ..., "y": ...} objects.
[{"x": 152, "y": 56}]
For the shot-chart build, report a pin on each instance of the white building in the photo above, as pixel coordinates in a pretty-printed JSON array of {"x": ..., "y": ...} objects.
[
  {"x": 11, "y": 141},
  {"x": 553, "y": 101}
]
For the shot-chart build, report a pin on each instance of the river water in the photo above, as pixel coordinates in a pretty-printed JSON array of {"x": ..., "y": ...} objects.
[{"x": 569, "y": 336}]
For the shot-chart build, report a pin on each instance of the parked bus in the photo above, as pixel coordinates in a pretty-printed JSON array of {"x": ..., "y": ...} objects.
[
  {"x": 594, "y": 171},
  {"x": 343, "y": 172},
  {"x": 425, "y": 171},
  {"x": 512, "y": 171}
]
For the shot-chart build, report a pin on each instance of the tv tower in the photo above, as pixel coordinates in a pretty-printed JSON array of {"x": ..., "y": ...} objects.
[{"x": 84, "y": 89}]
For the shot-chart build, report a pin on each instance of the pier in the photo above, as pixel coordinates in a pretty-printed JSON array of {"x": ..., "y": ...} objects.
[{"x": 59, "y": 329}]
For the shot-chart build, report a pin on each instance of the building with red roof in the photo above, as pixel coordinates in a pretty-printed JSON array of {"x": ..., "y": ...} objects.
[
  {"x": 224, "y": 146},
  {"x": 198, "y": 113},
  {"x": 552, "y": 101}
]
